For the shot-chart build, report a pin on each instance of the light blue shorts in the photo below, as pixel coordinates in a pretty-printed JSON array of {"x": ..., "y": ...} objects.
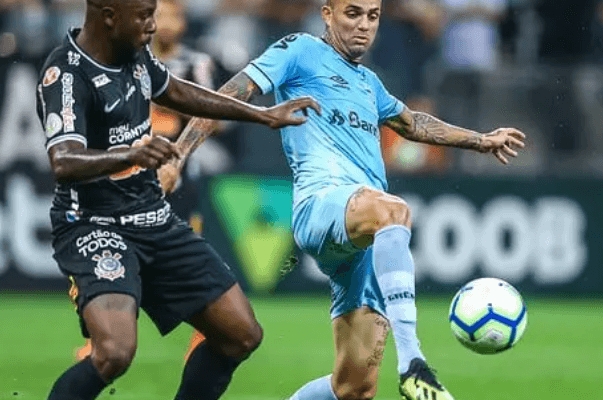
[{"x": 319, "y": 230}]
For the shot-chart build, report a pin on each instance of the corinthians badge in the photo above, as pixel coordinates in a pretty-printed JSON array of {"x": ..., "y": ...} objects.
[{"x": 108, "y": 266}]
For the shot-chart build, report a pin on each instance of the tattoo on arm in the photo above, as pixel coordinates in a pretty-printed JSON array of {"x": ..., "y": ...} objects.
[
  {"x": 240, "y": 87},
  {"x": 425, "y": 128}
]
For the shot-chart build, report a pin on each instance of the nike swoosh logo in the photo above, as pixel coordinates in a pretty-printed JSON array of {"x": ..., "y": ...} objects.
[{"x": 109, "y": 108}]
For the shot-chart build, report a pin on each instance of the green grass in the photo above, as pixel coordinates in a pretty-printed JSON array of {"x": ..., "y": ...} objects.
[{"x": 561, "y": 355}]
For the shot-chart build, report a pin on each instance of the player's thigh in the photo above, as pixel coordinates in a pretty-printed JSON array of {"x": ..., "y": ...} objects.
[
  {"x": 360, "y": 337},
  {"x": 319, "y": 226},
  {"x": 369, "y": 210},
  {"x": 230, "y": 323},
  {"x": 189, "y": 282},
  {"x": 111, "y": 322},
  {"x": 98, "y": 261}
]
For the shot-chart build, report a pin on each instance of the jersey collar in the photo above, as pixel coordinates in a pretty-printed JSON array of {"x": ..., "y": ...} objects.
[{"x": 71, "y": 35}]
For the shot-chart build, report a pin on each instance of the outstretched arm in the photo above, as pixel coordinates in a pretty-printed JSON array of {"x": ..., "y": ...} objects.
[
  {"x": 425, "y": 128},
  {"x": 192, "y": 99},
  {"x": 240, "y": 87}
]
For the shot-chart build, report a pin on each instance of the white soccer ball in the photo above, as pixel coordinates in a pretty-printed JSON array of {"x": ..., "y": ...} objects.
[{"x": 488, "y": 316}]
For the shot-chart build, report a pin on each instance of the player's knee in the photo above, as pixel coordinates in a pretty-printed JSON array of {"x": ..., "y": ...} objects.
[
  {"x": 387, "y": 213},
  {"x": 113, "y": 357},
  {"x": 246, "y": 342},
  {"x": 348, "y": 390}
]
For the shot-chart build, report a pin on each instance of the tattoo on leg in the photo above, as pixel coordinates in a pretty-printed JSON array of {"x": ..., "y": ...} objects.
[{"x": 377, "y": 355}]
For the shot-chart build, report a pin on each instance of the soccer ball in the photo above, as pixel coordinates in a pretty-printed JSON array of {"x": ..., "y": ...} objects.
[{"x": 488, "y": 316}]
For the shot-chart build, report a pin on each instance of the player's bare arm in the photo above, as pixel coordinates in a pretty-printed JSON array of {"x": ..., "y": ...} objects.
[
  {"x": 72, "y": 162},
  {"x": 240, "y": 87},
  {"x": 192, "y": 99},
  {"x": 425, "y": 128}
]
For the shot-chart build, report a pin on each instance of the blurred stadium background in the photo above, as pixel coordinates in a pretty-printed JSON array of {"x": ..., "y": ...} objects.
[{"x": 533, "y": 64}]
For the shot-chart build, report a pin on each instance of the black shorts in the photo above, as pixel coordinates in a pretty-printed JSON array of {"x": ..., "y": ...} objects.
[{"x": 172, "y": 272}]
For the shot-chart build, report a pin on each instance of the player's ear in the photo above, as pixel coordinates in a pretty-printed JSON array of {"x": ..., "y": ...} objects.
[
  {"x": 327, "y": 14},
  {"x": 108, "y": 15}
]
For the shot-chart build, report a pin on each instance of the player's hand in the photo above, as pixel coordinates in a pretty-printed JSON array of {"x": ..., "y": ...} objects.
[
  {"x": 284, "y": 114},
  {"x": 168, "y": 176},
  {"x": 153, "y": 152},
  {"x": 502, "y": 142}
]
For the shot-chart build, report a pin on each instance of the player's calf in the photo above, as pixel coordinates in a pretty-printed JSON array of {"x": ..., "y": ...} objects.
[
  {"x": 111, "y": 321},
  {"x": 360, "y": 341},
  {"x": 363, "y": 390},
  {"x": 232, "y": 334}
]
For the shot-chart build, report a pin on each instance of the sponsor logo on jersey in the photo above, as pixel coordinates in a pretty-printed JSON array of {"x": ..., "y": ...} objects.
[
  {"x": 101, "y": 80},
  {"x": 123, "y": 133},
  {"x": 51, "y": 76},
  {"x": 148, "y": 219},
  {"x": 99, "y": 240},
  {"x": 54, "y": 124},
  {"x": 99, "y": 220},
  {"x": 73, "y": 215},
  {"x": 354, "y": 121},
  {"x": 68, "y": 102}
]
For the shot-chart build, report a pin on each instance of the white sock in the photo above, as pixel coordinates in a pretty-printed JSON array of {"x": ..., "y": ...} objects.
[{"x": 395, "y": 271}]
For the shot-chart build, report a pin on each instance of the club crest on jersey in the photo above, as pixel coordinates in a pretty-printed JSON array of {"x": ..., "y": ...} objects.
[
  {"x": 108, "y": 266},
  {"x": 51, "y": 76},
  {"x": 142, "y": 74}
]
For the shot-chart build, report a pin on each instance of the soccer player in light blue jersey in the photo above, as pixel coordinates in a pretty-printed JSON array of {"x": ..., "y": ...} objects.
[{"x": 342, "y": 214}]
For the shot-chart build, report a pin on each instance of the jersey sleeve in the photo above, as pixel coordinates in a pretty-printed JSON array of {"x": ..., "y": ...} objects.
[
  {"x": 160, "y": 76},
  {"x": 278, "y": 64},
  {"x": 63, "y": 101},
  {"x": 388, "y": 106}
]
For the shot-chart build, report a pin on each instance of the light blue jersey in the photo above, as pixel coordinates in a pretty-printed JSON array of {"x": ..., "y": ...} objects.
[
  {"x": 331, "y": 156},
  {"x": 342, "y": 146}
]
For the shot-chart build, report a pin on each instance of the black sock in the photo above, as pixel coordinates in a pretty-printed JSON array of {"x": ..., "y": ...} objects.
[
  {"x": 206, "y": 375},
  {"x": 80, "y": 382}
]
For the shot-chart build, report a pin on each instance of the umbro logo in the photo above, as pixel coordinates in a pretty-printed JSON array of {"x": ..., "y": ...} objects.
[
  {"x": 109, "y": 108},
  {"x": 340, "y": 82}
]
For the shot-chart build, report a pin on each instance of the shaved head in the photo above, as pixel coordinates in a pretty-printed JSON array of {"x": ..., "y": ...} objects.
[{"x": 120, "y": 28}]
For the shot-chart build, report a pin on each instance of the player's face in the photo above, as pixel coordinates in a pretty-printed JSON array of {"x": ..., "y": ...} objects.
[
  {"x": 134, "y": 26},
  {"x": 170, "y": 22},
  {"x": 352, "y": 25}
]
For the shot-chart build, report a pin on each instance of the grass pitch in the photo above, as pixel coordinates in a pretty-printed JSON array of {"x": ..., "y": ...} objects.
[{"x": 560, "y": 356}]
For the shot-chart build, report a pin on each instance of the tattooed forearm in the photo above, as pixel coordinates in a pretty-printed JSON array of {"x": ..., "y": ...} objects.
[
  {"x": 240, "y": 87},
  {"x": 424, "y": 128}
]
